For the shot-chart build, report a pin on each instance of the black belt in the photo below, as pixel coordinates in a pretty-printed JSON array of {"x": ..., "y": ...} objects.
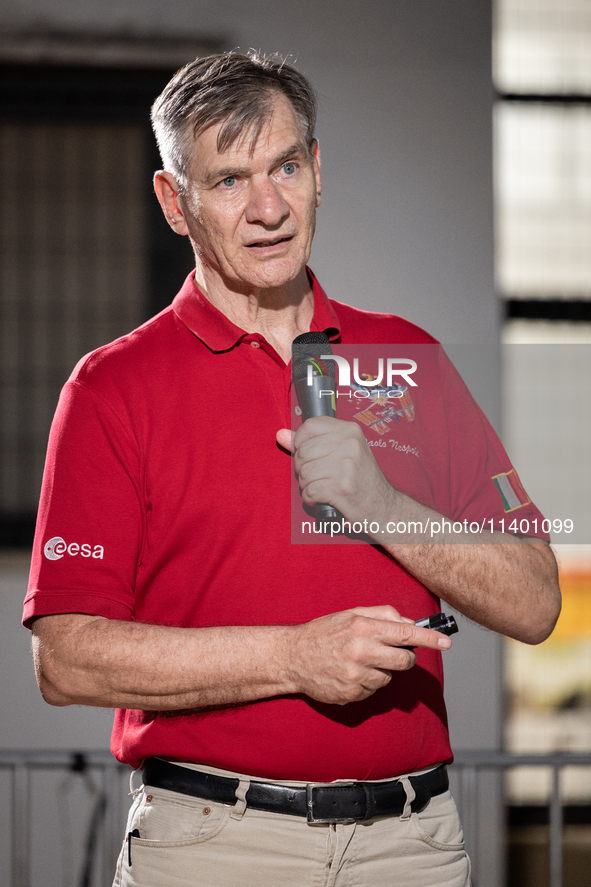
[{"x": 318, "y": 802}]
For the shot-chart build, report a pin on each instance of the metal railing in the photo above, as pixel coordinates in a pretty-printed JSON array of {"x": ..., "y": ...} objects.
[
  {"x": 112, "y": 776},
  {"x": 467, "y": 770},
  {"x": 470, "y": 764}
]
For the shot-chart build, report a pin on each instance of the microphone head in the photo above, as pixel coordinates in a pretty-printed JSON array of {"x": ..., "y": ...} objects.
[
  {"x": 311, "y": 338},
  {"x": 306, "y": 349}
]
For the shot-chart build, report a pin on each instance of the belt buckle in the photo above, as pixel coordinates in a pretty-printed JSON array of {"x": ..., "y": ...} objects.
[{"x": 310, "y": 803}]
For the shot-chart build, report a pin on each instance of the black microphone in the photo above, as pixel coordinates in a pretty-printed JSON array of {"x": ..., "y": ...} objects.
[{"x": 314, "y": 382}]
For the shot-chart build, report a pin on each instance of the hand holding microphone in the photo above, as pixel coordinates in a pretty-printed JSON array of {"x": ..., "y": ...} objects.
[{"x": 338, "y": 474}]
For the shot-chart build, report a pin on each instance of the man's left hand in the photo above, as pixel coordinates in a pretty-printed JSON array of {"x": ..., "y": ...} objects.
[{"x": 335, "y": 464}]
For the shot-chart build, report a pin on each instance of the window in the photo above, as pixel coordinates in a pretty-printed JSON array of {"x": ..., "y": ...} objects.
[
  {"x": 543, "y": 199},
  {"x": 85, "y": 255}
]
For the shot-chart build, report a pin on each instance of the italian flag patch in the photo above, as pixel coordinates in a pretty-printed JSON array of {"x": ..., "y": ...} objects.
[{"x": 510, "y": 490}]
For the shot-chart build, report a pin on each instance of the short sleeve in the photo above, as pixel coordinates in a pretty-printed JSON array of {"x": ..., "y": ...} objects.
[
  {"x": 91, "y": 518},
  {"x": 484, "y": 486}
]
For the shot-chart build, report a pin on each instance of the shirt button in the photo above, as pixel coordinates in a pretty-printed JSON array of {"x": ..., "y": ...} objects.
[{"x": 255, "y": 344}]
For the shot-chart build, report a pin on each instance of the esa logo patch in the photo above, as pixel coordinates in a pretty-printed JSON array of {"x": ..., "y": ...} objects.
[{"x": 55, "y": 549}]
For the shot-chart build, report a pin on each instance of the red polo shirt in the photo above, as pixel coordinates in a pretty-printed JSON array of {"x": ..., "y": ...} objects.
[{"x": 167, "y": 500}]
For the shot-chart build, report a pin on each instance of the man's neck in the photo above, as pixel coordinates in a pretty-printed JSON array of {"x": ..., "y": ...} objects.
[{"x": 278, "y": 314}]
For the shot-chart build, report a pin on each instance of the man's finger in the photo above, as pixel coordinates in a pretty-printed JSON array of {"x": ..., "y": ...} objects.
[
  {"x": 382, "y": 611},
  {"x": 414, "y": 636},
  {"x": 285, "y": 439},
  {"x": 317, "y": 426},
  {"x": 399, "y": 633}
]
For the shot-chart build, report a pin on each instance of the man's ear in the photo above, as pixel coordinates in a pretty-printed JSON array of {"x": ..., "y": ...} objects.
[
  {"x": 316, "y": 165},
  {"x": 167, "y": 191}
]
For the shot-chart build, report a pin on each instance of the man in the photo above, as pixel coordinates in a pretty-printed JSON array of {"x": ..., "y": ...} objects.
[{"x": 249, "y": 674}]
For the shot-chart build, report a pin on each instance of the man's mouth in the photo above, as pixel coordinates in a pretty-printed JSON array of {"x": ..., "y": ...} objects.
[{"x": 271, "y": 242}]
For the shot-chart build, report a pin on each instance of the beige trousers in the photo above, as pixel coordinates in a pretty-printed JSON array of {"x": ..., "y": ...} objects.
[{"x": 188, "y": 842}]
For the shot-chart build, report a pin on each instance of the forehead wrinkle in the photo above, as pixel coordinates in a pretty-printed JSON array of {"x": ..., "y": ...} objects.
[{"x": 261, "y": 133}]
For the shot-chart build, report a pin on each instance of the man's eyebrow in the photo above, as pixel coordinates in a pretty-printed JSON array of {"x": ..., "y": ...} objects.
[
  {"x": 218, "y": 175},
  {"x": 295, "y": 150}
]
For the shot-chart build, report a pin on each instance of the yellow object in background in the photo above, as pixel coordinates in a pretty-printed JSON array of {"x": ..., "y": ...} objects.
[
  {"x": 557, "y": 673},
  {"x": 574, "y": 621}
]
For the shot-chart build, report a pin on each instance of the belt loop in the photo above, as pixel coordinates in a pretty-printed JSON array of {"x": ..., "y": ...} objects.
[
  {"x": 410, "y": 796},
  {"x": 240, "y": 805},
  {"x": 134, "y": 791}
]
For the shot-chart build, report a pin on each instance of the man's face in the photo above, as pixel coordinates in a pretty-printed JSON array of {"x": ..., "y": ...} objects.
[{"x": 251, "y": 214}]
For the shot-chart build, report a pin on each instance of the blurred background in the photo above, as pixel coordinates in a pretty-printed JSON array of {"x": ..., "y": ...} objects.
[{"x": 456, "y": 147}]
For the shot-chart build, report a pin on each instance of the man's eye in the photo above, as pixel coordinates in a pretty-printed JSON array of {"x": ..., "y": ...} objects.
[
  {"x": 289, "y": 168},
  {"x": 229, "y": 182}
]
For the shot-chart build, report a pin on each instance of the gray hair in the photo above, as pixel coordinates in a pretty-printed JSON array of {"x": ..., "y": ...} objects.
[{"x": 233, "y": 89}]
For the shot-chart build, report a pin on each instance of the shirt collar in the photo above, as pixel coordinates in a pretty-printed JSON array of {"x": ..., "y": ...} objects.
[{"x": 216, "y": 331}]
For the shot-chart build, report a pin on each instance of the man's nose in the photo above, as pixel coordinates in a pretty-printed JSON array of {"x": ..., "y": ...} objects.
[{"x": 266, "y": 204}]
